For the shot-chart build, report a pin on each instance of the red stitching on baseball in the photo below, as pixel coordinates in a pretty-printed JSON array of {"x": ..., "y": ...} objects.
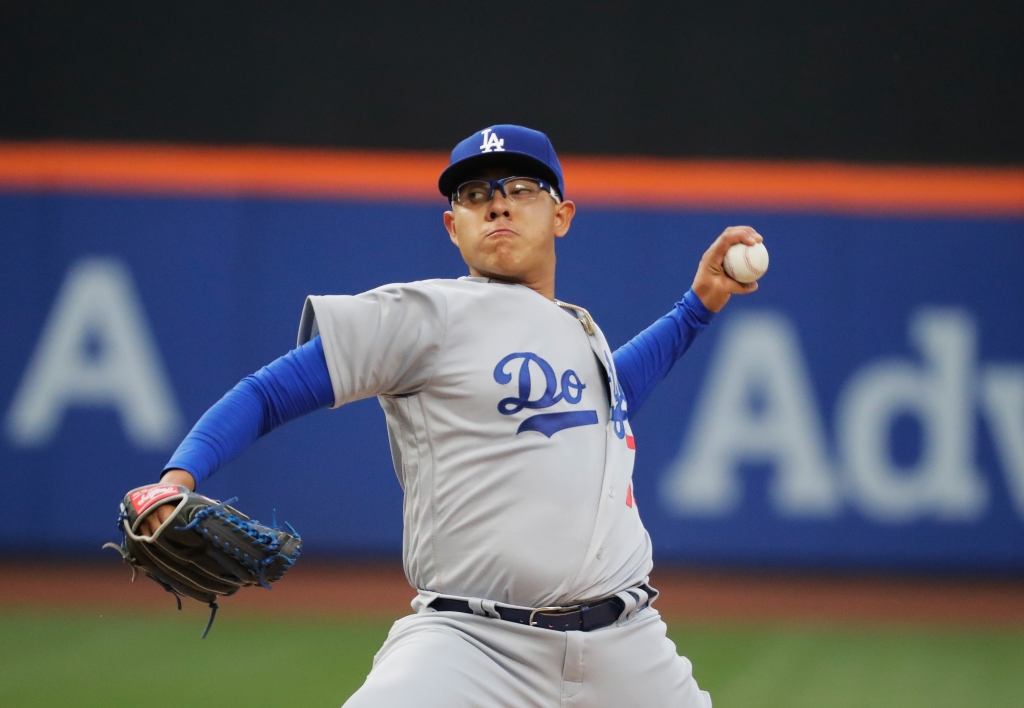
[{"x": 755, "y": 271}]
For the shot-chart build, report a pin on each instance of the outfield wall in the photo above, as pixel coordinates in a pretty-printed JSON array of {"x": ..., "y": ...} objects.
[{"x": 864, "y": 409}]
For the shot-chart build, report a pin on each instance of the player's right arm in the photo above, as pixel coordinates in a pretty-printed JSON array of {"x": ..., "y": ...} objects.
[
  {"x": 383, "y": 341},
  {"x": 152, "y": 522},
  {"x": 293, "y": 385}
]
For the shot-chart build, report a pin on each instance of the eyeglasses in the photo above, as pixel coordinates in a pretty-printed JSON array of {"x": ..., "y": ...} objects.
[{"x": 478, "y": 192}]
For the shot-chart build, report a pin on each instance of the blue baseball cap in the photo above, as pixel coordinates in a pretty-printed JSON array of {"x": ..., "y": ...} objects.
[{"x": 523, "y": 149}]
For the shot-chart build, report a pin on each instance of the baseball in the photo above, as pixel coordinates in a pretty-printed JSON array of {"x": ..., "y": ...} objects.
[{"x": 744, "y": 263}]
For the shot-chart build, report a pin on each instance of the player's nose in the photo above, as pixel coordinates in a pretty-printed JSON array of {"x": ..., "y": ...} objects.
[{"x": 499, "y": 206}]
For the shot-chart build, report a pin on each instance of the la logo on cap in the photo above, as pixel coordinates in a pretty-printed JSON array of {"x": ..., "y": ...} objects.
[{"x": 491, "y": 142}]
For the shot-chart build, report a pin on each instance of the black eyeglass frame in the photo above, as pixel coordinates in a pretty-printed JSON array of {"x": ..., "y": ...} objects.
[{"x": 499, "y": 184}]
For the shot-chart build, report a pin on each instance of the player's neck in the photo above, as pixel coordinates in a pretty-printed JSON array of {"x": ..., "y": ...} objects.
[{"x": 543, "y": 285}]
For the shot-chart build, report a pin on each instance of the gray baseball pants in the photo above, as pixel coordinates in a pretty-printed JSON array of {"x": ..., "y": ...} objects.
[{"x": 453, "y": 660}]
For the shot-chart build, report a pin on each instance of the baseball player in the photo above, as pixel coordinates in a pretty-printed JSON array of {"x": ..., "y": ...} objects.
[{"x": 509, "y": 422}]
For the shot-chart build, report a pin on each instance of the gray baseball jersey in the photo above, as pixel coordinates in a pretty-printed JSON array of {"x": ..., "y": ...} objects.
[{"x": 508, "y": 433}]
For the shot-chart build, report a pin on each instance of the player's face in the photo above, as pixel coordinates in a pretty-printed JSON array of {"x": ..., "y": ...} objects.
[{"x": 513, "y": 241}]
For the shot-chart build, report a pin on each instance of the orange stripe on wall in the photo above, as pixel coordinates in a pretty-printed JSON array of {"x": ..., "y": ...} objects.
[
  {"x": 817, "y": 186},
  {"x": 220, "y": 171},
  {"x": 614, "y": 181}
]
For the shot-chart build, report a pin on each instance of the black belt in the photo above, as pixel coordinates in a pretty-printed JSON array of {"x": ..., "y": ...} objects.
[{"x": 582, "y": 618}]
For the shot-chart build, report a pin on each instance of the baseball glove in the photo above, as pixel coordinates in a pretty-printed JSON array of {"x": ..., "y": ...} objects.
[{"x": 205, "y": 549}]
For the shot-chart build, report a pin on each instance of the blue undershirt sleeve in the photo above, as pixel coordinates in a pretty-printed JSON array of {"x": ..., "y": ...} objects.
[
  {"x": 296, "y": 384},
  {"x": 642, "y": 362}
]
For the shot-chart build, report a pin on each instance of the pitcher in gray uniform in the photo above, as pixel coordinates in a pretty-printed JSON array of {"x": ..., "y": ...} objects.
[{"x": 508, "y": 417}]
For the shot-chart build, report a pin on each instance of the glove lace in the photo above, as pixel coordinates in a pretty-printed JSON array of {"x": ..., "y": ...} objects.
[
  {"x": 264, "y": 540},
  {"x": 235, "y": 551}
]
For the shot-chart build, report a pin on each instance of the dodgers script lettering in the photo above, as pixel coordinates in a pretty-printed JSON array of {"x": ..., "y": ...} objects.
[{"x": 567, "y": 388}]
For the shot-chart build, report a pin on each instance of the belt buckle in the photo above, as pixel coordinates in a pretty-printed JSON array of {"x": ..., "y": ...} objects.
[{"x": 552, "y": 611}]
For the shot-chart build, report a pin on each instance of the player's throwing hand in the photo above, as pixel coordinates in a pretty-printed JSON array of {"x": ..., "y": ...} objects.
[{"x": 711, "y": 284}]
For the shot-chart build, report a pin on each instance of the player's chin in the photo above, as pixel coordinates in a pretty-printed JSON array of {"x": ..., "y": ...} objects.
[{"x": 505, "y": 261}]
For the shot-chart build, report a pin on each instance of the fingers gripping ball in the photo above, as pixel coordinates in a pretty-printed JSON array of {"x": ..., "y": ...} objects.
[
  {"x": 744, "y": 263},
  {"x": 205, "y": 549}
]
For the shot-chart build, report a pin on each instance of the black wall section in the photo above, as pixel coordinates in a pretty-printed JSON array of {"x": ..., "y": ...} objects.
[{"x": 877, "y": 81}]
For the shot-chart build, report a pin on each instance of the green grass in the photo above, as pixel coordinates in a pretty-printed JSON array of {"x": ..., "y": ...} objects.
[
  {"x": 72, "y": 659},
  {"x": 835, "y": 667},
  {"x": 158, "y": 661}
]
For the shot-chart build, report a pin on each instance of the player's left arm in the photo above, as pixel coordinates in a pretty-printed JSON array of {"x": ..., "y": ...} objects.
[
  {"x": 711, "y": 284},
  {"x": 646, "y": 359}
]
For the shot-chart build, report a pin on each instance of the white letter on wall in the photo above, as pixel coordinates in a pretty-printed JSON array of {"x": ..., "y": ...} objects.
[
  {"x": 758, "y": 355},
  {"x": 1003, "y": 402},
  {"x": 96, "y": 304},
  {"x": 940, "y": 393}
]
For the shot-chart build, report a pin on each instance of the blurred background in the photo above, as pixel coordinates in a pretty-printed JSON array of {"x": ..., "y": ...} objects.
[{"x": 833, "y": 476}]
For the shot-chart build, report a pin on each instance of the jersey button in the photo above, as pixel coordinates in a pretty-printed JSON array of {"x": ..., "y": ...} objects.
[
  {"x": 600, "y": 553},
  {"x": 611, "y": 493}
]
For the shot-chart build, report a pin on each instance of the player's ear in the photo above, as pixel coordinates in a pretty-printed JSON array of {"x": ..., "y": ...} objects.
[
  {"x": 564, "y": 211},
  {"x": 449, "y": 223}
]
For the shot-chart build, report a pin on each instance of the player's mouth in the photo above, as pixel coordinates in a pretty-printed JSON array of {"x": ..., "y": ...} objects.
[{"x": 500, "y": 232}]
